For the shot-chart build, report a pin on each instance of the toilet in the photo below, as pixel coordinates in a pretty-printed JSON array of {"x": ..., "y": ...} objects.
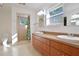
[{"x": 5, "y": 40}]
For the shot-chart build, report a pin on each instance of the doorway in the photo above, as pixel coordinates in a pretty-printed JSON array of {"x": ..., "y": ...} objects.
[{"x": 23, "y": 28}]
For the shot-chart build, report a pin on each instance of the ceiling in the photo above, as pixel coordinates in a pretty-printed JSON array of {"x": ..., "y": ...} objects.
[
  {"x": 36, "y": 6},
  {"x": 32, "y": 6}
]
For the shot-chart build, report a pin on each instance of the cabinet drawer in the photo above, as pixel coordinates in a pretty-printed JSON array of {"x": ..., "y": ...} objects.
[
  {"x": 65, "y": 48},
  {"x": 46, "y": 41},
  {"x": 70, "y": 50},
  {"x": 55, "y": 44}
]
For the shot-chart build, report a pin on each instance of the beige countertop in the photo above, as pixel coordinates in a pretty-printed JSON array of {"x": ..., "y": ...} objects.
[{"x": 74, "y": 43}]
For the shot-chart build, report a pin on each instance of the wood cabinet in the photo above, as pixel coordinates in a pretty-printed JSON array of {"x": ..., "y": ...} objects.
[
  {"x": 49, "y": 47},
  {"x": 55, "y": 49},
  {"x": 72, "y": 51},
  {"x": 41, "y": 44}
]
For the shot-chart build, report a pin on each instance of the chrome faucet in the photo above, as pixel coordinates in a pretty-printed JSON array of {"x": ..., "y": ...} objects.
[{"x": 70, "y": 34}]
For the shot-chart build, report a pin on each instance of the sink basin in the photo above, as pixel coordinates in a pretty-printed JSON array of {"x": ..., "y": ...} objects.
[
  {"x": 68, "y": 37},
  {"x": 39, "y": 32}
]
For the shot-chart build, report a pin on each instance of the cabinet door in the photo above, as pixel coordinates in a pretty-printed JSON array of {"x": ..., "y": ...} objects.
[
  {"x": 70, "y": 50},
  {"x": 55, "y": 52},
  {"x": 65, "y": 48},
  {"x": 33, "y": 40},
  {"x": 41, "y": 44},
  {"x": 45, "y": 49}
]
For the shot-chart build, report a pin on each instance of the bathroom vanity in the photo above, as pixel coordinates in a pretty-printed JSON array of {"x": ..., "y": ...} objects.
[{"x": 48, "y": 44}]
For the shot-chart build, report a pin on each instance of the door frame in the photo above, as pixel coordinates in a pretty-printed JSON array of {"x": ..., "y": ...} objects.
[{"x": 17, "y": 16}]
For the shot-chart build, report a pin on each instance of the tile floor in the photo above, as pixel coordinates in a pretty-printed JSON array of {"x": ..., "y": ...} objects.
[{"x": 23, "y": 48}]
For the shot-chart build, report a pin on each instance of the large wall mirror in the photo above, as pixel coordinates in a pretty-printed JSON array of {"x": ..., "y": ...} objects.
[{"x": 51, "y": 17}]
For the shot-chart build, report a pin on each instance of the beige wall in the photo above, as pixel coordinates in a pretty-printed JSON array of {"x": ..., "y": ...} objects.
[{"x": 5, "y": 21}]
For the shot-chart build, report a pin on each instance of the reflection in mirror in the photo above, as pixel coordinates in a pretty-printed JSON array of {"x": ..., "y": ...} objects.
[
  {"x": 41, "y": 18},
  {"x": 75, "y": 19},
  {"x": 55, "y": 16}
]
